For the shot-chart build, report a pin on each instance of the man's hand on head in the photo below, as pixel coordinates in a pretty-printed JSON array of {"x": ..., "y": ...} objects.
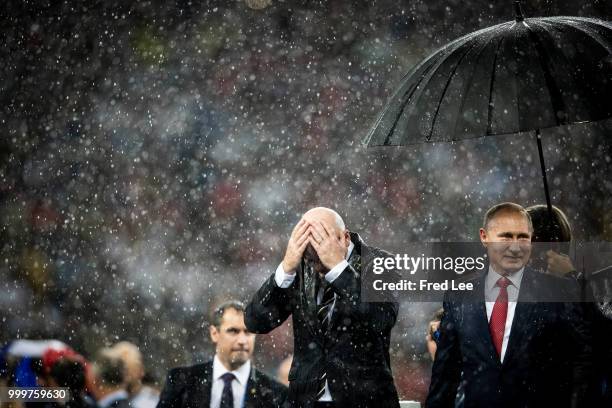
[
  {"x": 296, "y": 246},
  {"x": 329, "y": 246}
]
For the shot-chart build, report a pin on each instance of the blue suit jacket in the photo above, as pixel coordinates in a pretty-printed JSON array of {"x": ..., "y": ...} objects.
[{"x": 548, "y": 357}]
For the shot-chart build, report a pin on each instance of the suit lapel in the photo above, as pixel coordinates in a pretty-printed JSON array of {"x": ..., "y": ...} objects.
[
  {"x": 481, "y": 321},
  {"x": 250, "y": 394},
  {"x": 523, "y": 317},
  {"x": 202, "y": 387},
  {"x": 355, "y": 262}
]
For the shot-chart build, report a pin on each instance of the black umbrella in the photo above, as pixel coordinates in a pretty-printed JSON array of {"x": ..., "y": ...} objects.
[{"x": 522, "y": 75}]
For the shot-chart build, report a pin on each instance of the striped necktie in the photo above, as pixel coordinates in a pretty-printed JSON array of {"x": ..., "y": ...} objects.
[
  {"x": 323, "y": 310},
  {"x": 324, "y": 307}
]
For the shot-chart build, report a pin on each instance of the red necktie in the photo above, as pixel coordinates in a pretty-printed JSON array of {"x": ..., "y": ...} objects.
[{"x": 497, "y": 324}]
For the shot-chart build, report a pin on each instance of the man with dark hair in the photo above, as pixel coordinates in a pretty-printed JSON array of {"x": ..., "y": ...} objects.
[
  {"x": 507, "y": 346},
  {"x": 70, "y": 373},
  {"x": 109, "y": 380},
  {"x": 341, "y": 352},
  {"x": 229, "y": 380}
]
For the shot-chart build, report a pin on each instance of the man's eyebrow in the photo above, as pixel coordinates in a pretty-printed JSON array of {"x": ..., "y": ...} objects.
[{"x": 509, "y": 234}]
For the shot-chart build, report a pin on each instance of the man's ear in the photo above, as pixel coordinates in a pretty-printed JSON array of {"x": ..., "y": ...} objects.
[
  {"x": 214, "y": 333},
  {"x": 483, "y": 237},
  {"x": 347, "y": 237}
]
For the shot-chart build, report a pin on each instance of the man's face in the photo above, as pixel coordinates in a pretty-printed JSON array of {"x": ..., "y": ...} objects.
[
  {"x": 234, "y": 343},
  {"x": 310, "y": 255},
  {"x": 312, "y": 258},
  {"x": 508, "y": 242},
  {"x": 134, "y": 369}
]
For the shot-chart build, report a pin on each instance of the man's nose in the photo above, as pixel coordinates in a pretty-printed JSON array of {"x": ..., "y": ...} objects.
[
  {"x": 242, "y": 338},
  {"x": 514, "y": 246}
]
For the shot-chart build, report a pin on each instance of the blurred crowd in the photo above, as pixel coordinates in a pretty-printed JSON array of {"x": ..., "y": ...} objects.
[
  {"x": 156, "y": 155},
  {"x": 115, "y": 373}
]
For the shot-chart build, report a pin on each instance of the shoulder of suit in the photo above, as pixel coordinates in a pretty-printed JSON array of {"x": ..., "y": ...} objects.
[
  {"x": 564, "y": 286},
  {"x": 264, "y": 380},
  {"x": 538, "y": 275},
  {"x": 468, "y": 296},
  {"x": 368, "y": 253},
  {"x": 182, "y": 374}
]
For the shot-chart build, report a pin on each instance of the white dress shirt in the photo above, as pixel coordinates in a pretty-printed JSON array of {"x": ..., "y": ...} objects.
[
  {"x": 491, "y": 293},
  {"x": 238, "y": 384},
  {"x": 146, "y": 398},
  {"x": 284, "y": 280},
  {"x": 112, "y": 397}
]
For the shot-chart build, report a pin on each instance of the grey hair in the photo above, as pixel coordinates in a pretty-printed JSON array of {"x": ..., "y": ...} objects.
[{"x": 505, "y": 207}]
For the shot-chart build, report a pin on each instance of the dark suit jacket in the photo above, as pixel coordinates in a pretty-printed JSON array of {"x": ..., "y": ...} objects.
[
  {"x": 547, "y": 361},
  {"x": 190, "y": 387},
  {"x": 355, "y": 352}
]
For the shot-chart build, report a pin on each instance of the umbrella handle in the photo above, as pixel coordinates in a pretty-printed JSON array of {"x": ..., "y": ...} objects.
[
  {"x": 518, "y": 12},
  {"x": 543, "y": 166}
]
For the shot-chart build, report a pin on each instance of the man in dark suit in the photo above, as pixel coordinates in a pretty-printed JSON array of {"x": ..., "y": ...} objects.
[
  {"x": 509, "y": 348},
  {"x": 341, "y": 344},
  {"x": 229, "y": 381}
]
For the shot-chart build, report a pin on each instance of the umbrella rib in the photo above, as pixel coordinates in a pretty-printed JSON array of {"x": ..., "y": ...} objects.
[
  {"x": 444, "y": 77},
  {"x": 448, "y": 49},
  {"x": 450, "y": 77},
  {"x": 469, "y": 84},
  {"x": 429, "y": 62},
  {"x": 404, "y": 103},
  {"x": 490, "y": 104},
  {"x": 566, "y": 62},
  {"x": 590, "y": 32},
  {"x": 553, "y": 90},
  {"x": 435, "y": 65}
]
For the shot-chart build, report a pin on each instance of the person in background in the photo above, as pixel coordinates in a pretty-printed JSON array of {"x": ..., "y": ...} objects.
[
  {"x": 558, "y": 230},
  {"x": 433, "y": 333},
  {"x": 149, "y": 380},
  {"x": 69, "y": 372},
  {"x": 549, "y": 232},
  {"x": 282, "y": 374},
  {"x": 109, "y": 387},
  {"x": 141, "y": 396},
  {"x": 229, "y": 380}
]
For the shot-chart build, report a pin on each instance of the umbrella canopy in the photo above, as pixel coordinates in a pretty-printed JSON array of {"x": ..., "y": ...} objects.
[{"x": 518, "y": 76}]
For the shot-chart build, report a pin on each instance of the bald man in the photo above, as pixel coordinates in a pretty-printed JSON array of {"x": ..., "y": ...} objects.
[{"x": 341, "y": 344}]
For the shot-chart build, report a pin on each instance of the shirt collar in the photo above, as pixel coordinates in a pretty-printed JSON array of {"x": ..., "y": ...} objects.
[
  {"x": 514, "y": 278},
  {"x": 350, "y": 249},
  {"x": 112, "y": 397},
  {"x": 241, "y": 373}
]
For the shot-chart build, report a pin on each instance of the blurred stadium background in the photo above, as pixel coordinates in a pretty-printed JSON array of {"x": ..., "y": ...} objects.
[{"x": 154, "y": 157}]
